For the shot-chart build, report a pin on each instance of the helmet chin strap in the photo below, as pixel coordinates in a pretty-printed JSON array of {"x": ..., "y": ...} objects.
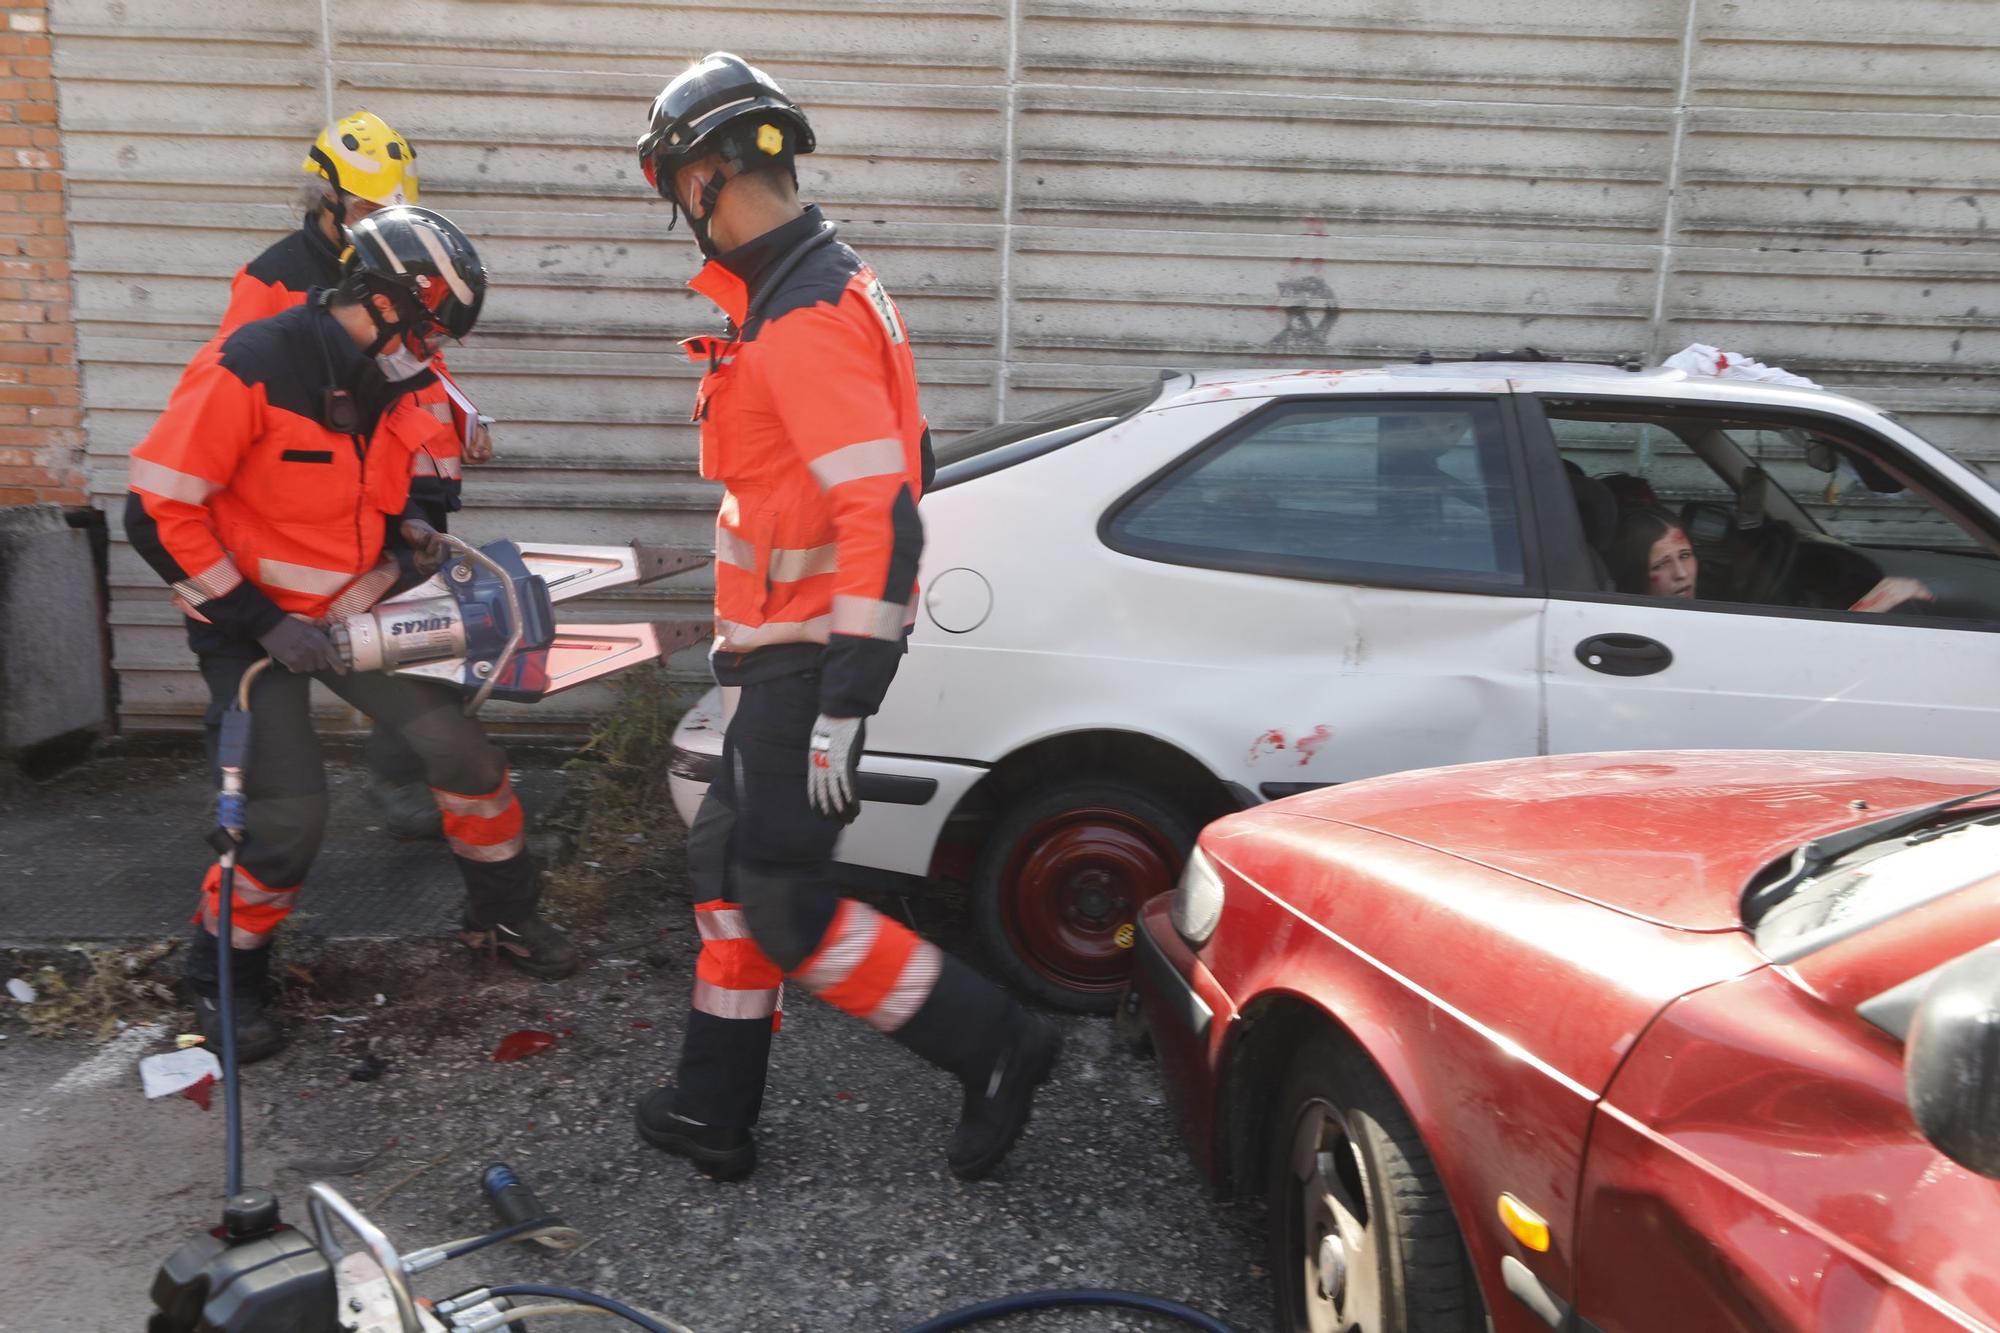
[
  {"x": 385, "y": 332},
  {"x": 711, "y": 191}
]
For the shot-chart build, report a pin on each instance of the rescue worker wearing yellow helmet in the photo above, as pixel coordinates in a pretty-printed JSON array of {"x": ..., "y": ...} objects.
[{"x": 362, "y": 165}]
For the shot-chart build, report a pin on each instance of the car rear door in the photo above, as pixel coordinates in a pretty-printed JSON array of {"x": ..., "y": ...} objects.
[
  {"x": 1344, "y": 587},
  {"x": 1627, "y": 670}
]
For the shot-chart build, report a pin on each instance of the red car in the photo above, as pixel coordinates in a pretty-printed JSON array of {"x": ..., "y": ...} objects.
[{"x": 1632, "y": 1042}]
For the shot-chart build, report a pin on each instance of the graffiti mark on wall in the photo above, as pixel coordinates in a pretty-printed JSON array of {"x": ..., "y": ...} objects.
[{"x": 1310, "y": 311}]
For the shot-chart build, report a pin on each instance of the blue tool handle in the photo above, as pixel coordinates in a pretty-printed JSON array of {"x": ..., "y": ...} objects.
[{"x": 513, "y": 1202}]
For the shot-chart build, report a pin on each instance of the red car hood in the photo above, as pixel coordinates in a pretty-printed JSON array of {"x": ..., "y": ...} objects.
[{"x": 1670, "y": 836}]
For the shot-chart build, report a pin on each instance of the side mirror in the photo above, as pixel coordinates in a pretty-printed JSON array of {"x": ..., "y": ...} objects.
[{"x": 1951, "y": 1062}]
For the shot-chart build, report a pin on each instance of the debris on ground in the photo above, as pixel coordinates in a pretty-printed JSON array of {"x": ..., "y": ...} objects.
[
  {"x": 91, "y": 991},
  {"x": 175, "y": 1071}
]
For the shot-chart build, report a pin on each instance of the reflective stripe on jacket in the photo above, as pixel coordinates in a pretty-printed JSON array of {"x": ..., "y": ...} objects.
[
  {"x": 305, "y": 261},
  {"x": 244, "y": 502},
  {"x": 809, "y": 417}
]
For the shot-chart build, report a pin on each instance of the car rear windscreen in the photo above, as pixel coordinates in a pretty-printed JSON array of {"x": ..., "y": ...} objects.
[{"x": 1011, "y": 442}]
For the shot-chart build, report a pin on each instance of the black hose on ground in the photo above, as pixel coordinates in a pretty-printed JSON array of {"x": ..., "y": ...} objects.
[
  {"x": 965, "y": 1317},
  {"x": 1071, "y": 1297}
]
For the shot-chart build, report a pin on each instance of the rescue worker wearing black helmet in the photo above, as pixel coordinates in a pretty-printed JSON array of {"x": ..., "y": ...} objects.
[
  {"x": 359, "y": 164},
  {"x": 810, "y": 419},
  {"x": 273, "y": 494}
]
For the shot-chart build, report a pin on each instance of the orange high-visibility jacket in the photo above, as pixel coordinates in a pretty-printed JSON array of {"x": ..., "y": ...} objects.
[
  {"x": 248, "y": 504},
  {"x": 305, "y": 260},
  {"x": 809, "y": 417}
]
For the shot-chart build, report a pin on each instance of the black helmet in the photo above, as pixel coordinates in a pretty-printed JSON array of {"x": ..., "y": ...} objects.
[
  {"x": 423, "y": 262},
  {"x": 720, "y": 92}
]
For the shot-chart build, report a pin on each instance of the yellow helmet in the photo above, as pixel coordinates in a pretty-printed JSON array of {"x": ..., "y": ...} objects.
[{"x": 362, "y": 156}]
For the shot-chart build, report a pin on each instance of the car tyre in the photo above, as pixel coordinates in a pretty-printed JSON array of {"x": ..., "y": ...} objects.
[
  {"x": 1362, "y": 1236},
  {"x": 1059, "y": 881}
]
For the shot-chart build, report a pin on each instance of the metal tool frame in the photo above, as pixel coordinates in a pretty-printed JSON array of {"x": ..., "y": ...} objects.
[{"x": 497, "y": 668}]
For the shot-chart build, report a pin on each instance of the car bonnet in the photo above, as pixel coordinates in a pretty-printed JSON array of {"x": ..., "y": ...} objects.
[{"x": 1671, "y": 837}]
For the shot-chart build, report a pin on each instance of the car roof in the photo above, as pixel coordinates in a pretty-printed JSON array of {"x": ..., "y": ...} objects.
[{"x": 1502, "y": 377}]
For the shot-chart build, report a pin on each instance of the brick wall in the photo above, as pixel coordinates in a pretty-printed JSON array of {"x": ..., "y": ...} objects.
[{"x": 41, "y": 416}]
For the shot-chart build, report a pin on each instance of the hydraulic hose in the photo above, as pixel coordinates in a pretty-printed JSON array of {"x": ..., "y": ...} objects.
[
  {"x": 232, "y": 1099},
  {"x": 1003, "y": 1306},
  {"x": 233, "y": 756},
  {"x": 520, "y": 1230},
  {"x": 577, "y": 1296}
]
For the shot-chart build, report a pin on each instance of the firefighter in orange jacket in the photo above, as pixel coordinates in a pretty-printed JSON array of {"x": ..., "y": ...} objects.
[
  {"x": 272, "y": 494},
  {"x": 361, "y": 165},
  {"x": 809, "y": 417}
]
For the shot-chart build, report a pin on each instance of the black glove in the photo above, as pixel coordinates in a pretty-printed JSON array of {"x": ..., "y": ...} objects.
[
  {"x": 424, "y": 541},
  {"x": 301, "y": 647}
]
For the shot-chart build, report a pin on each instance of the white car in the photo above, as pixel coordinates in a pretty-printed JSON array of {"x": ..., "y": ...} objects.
[{"x": 1163, "y": 605}]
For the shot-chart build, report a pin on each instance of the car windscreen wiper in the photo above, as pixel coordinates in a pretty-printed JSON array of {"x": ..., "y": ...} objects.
[
  {"x": 1936, "y": 831},
  {"x": 1820, "y": 853}
]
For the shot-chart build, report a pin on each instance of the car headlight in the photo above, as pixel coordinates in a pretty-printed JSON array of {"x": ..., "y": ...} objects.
[{"x": 1197, "y": 900}]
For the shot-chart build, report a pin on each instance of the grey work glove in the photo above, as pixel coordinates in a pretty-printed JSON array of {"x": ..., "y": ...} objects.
[
  {"x": 301, "y": 647},
  {"x": 424, "y": 542},
  {"x": 831, "y": 770}
]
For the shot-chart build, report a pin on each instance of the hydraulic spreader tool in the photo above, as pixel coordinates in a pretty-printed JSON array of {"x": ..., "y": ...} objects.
[{"x": 485, "y": 622}]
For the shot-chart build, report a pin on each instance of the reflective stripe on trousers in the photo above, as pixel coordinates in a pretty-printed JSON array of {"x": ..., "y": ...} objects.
[
  {"x": 488, "y": 827},
  {"x": 255, "y": 908},
  {"x": 732, "y": 977},
  {"x": 877, "y": 969}
]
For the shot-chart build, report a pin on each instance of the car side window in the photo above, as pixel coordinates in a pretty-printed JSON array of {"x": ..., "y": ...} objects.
[
  {"x": 1686, "y": 504},
  {"x": 1845, "y": 499},
  {"x": 1371, "y": 491}
]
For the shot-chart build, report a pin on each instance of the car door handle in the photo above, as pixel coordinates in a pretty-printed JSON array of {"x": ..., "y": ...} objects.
[{"x": 1624, "y": 654}]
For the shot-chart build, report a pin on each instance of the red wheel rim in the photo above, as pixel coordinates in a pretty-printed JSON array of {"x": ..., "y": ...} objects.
[{"x": 1072, "y": 882}]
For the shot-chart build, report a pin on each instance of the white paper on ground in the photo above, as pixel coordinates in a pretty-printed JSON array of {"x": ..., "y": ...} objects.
[
  {"x": 172, "y": 1071},
  {"x": 21, "y": 990}
]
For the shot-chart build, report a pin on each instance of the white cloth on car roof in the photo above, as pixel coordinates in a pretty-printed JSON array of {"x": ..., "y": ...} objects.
[{"x": 1714, "y": 363}]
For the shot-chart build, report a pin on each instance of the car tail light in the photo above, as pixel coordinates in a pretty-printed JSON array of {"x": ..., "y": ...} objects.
[{"x": 1197, "y": 900}]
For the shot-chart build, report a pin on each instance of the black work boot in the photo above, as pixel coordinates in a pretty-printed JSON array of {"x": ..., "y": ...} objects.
[
  {"x": 718, "y": 1152},
  {"x": 259, "y": 1035},
  {"x": 997, "y": 1106},
  {"x": 409, "y": 811},
  {"x": 529, "y": 942}
]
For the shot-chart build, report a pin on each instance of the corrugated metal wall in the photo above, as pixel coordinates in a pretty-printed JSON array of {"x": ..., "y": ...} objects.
[{"x": 1062, "y": 194}]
